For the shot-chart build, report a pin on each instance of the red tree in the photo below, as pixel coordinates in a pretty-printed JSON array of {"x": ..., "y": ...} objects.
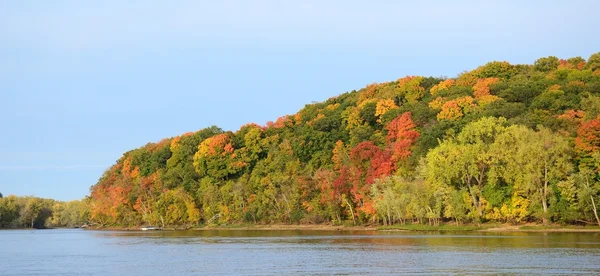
[
  {"x": 401, "y": 136},
  {"x": 588, "y": 136}
]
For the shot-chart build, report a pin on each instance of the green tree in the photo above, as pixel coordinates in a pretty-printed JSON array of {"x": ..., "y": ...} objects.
[
  {"x": 69, "y": 214},
  {"x": 591, "y": 106},
  {"x": 498, "y": 69},
  {"x": 593, "y": 62},
  {"x": 546, "y": 64},
  {"x": 176, "y": 207},
  {"x": 35, "y": 213},
  {"x": 467, "y": 161},
  {"x": 9, "y": 211},
  {"x": 533, "y": 161},
  {"x": 582, "y": 191}
]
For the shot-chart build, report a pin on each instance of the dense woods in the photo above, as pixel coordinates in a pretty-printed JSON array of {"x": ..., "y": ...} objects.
[
  {"x": 35, "y": 212},
  {"x": 501, "y": 143}
]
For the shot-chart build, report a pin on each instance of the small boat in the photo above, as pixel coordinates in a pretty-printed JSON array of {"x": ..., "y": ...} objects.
[{"x": 149, "y": 228}]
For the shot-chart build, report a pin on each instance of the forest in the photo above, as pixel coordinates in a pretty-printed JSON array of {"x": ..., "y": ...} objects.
[
  {"x": 40, "y": 213},
  {"x": 506, "y": 143}
]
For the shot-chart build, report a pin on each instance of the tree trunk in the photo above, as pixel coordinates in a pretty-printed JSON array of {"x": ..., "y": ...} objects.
[
  {"x": 351, "y": 211},
  {"x": 545, "y": 194},
  {"x": 389, "y": 216},
  {"x": 288, "y": 209},
  {"x": 595, "y": 211},
  {"x": 476, "y": 201},
  {"x": 545, "y": 206}
]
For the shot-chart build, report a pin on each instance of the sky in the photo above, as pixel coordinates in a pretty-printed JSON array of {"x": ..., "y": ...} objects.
[{"x": 81, "y": 82}]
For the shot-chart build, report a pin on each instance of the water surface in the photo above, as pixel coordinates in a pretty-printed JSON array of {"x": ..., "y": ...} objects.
[{"x": 226, "y": 252}]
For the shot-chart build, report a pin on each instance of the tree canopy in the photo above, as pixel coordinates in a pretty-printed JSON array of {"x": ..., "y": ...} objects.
[{"x": 502, "y": 142}]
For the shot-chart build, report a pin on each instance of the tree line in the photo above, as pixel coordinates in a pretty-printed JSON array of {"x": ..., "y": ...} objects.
[
  {"x": 39, "y": 213},
  {"x": 502, "y": 143}
]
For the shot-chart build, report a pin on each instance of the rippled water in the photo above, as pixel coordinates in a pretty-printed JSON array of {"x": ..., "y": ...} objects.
[{"x": 85, "y": 252}]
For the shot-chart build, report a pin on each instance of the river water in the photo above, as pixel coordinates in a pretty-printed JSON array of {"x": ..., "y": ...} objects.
[{"x": 237, "y": 252}]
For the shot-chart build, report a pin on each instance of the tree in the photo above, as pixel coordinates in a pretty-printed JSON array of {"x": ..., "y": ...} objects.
[
  {"x": 383, "y": 107},
  {"x": 69, "y": 214},
  {"x": 216, "y": 158},
  {"x": 593, "y": 62},
  {"x": 466, "y": 162},
  {"x": 591, "y": 106},
  {"x": 546, "y": 64},
  {"x": 482, "y": 87},
  {"x": 533, "y": 161},
  {"x": 180, "y": 166},
  {"x": 454, "y": 109},
  {"x": 588, "y": 136},
  {"x": 368, "y": 110},
  {"x": 35, "y": 213},
  {"x": 386, "y": 200},
  {"x": 355, "y": 157},
  {"x": 176, "y": 207},
  {"x": 498, "y": 69},
  {"x": 582, "y": 190},
  {"x": 410, "y": 88},
  {"x": 400, "y": 199},
  {"x": 442, "y": 86},
  {"x": 401, "y": 138},
  {"x": 577, "y": 63},
  {"x": 9, "y": 211}
]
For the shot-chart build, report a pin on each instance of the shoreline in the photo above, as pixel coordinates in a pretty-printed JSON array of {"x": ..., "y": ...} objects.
[{"x": 397, "y": 228}]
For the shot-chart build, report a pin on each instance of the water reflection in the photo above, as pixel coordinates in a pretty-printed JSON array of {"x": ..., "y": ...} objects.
[
  {"x": 215, "y": 252},
  {"x": 485, "y": 240}
]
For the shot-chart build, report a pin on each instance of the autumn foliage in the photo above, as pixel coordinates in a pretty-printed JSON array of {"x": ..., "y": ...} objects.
[
  {"x": 588, "y": 136},
  {"x": 415, "y": 150}
]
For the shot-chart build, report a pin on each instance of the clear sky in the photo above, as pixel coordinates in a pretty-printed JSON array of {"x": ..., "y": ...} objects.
[{"x": 81, "y": 82}]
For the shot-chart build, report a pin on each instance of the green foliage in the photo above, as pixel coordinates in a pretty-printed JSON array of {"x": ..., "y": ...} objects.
[
  {"x": 546, "y": 64},
  {"x": 593, "y": 62},
  {"x": 495, "y": 144},
  {"x": 39, "y": 213},
  {"x": 555, "y": 101},
  {"x": 498, "y": 69},
  {"x": 9, "y": 211},
  {"x": 367, "y": 113},
  {"x": 520, "y": 91},
  {"x": 504, "y": 109},
  {"x": 591, "y": 106}
]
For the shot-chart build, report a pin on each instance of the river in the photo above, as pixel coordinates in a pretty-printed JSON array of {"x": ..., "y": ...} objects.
[{"x": 239, "y": 252}]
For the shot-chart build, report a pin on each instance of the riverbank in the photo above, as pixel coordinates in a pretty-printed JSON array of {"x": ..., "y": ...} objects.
[
  {"x": 398, "y": 228},
  {"x": 309, "y": 227},
  {"x": 543, "y": 228},
  {"x": 491, "y": 228}
]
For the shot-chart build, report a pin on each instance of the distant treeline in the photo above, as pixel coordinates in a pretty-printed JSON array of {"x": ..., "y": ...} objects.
[
  {"x": 35, "y": 212},
  {"x": 500, "y": 143}
]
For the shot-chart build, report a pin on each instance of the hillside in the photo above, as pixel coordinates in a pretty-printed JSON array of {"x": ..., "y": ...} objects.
[{"x": 503, "y": 142}]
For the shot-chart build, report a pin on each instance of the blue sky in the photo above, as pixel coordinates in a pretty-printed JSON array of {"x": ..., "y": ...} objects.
[{"x": 83, "y": 82}]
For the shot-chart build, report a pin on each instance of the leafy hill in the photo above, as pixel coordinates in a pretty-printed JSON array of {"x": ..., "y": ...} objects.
[{"x": 503, "y": 142}]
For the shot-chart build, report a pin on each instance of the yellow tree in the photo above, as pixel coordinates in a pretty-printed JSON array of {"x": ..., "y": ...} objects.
[
  {"x": 410, "y": 88},
  {"x": 442, "y": 86}
]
